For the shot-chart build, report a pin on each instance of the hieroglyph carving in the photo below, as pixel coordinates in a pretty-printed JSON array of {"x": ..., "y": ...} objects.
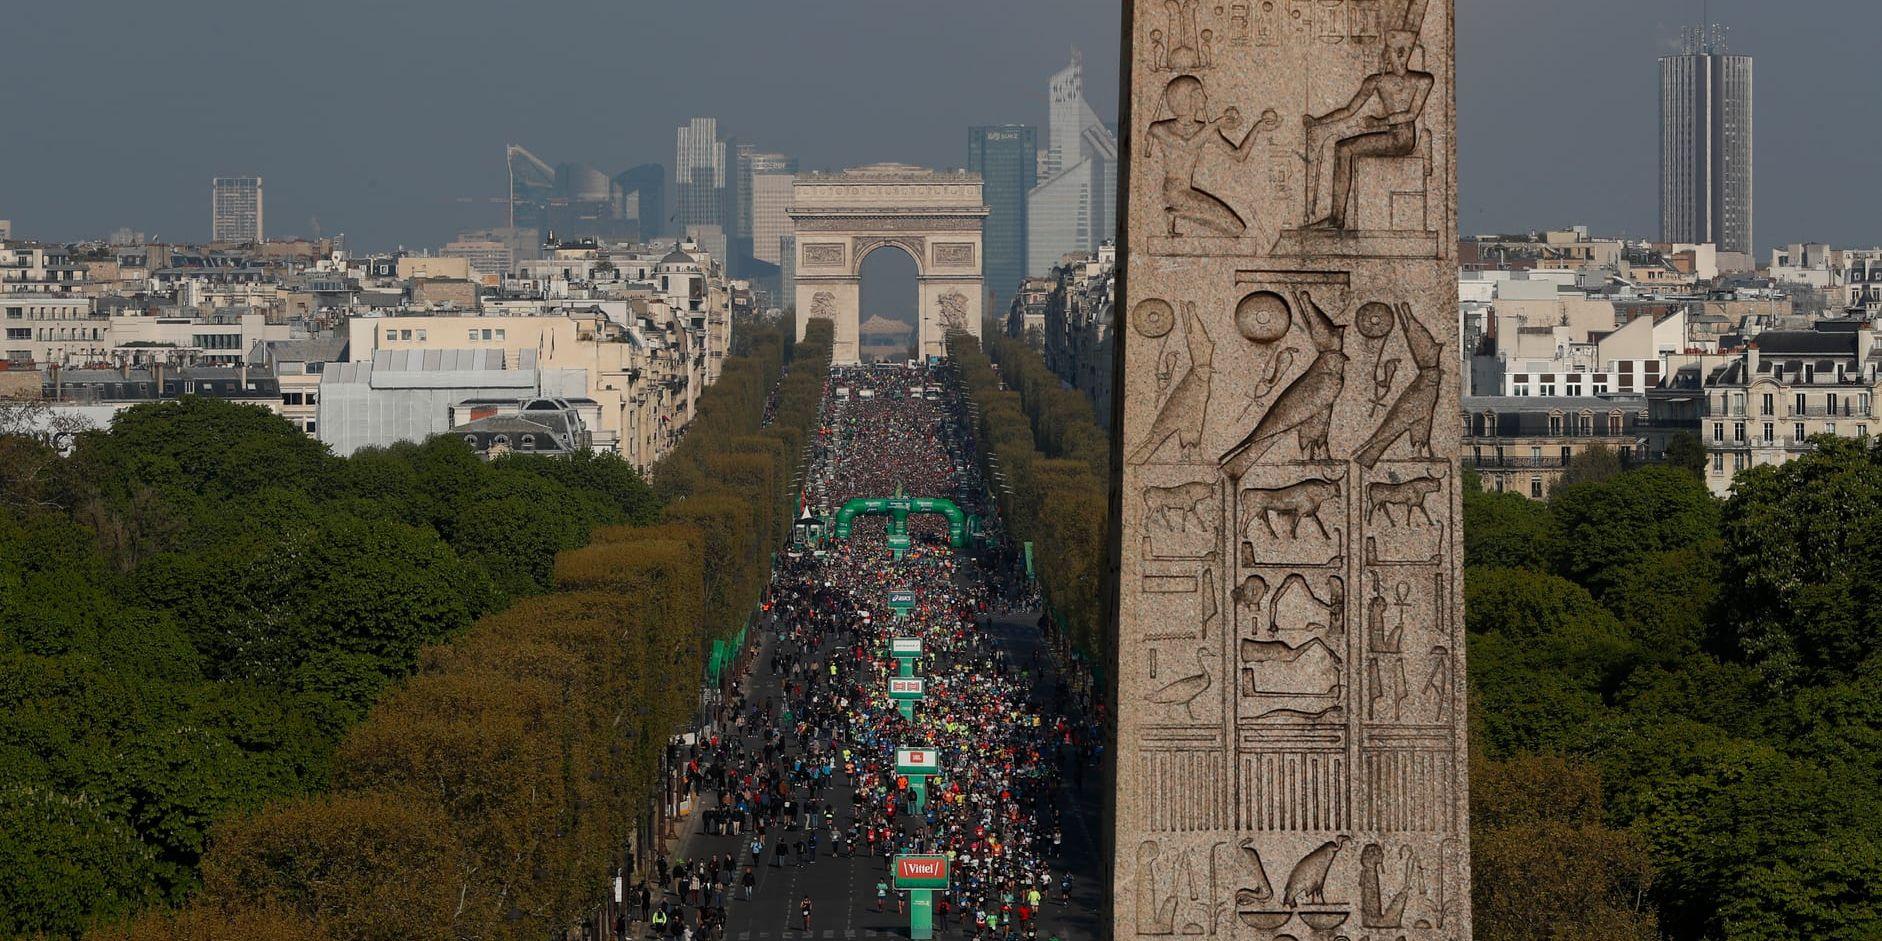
[{"x": 1291, "y": 755}]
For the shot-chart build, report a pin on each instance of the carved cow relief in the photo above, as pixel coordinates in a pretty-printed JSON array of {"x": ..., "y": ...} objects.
[{"x": 1291, "y": 752}]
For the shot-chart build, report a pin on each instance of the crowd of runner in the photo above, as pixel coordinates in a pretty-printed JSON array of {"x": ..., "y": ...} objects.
[{"x": 806, "y": 772}]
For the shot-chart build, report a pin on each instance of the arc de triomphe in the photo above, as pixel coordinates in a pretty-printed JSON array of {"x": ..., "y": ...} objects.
[{"x": 933, "y": 215}]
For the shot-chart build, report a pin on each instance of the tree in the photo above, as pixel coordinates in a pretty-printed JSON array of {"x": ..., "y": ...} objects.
[
  {"x": 363, "y": 866},
  {"x": 1802, "y": 580},
  {"x": 68, "y": 863},
  {"x": 1685, "y": 451},
  {"x": 1505, "y": 530},
  {"x": 1545, "y": 865},
  {"x": 1592, "y": 465},
  {"x": 1602, "y": 528}
]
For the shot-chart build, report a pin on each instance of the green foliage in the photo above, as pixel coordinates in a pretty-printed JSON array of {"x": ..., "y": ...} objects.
[
  {"x": 489, "y": 794},
  {"x": 1802, "y": 579},
  {"x": 199, "y": 603},
  {"x": 68, "y": 863},
  {"x": 1504, "y": 530},
  {"x": 1686, "y": 452},
  {"x": 1056, "y": 463},
  {"x": 1602, "y": 528},
  {"x": 1717, "y": 663}
]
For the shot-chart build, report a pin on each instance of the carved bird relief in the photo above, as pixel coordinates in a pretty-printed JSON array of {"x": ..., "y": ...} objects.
[
  {"x": 1183, "y": 692},
  {"x": 1306, "y": 407},
  {"x": 1183, "y": 413},
  {"x": 1413, "y": 411}
]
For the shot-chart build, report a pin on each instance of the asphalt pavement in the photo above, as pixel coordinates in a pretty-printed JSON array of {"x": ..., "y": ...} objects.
[{"x": 842, "y": 890}]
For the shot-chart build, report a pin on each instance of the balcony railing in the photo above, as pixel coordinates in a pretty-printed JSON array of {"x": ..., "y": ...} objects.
[{"x": 1515, "y": 463}]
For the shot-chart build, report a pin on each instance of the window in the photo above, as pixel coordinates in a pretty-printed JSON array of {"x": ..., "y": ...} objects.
[
  {"x": 1535, "y": 454},
  {"x": 310, "y": 426},
  {"x": 392, "y": 334},
  {"x": 421, "y": 336},
  {"x": 1829, "y": 404},
  {"x": 1587, "y": 424},
  {"x": 527, "y": 443},
  {"x": 1862, "y": 431},
  {"x": 1797, "y": 433},
  {"x": 1738, "y": 461},
  {"x": 499, "y": 334},
  {"x": 1718, "y": 432},
  {"x": 1555, "y": 425},
  {"x": 1499, "y": 483},
  {"x": 1567, "y": 454},
  {"x": 405, "y": 334},
  {"x": 473, "y": 336},
  {"x": 471, "y": 440},
  {"x": 19, "y": 334},
  {"x": 1535, "y": 488},
  {"x": 290, "y": 398},
  {"x": 1798, "y": 407},
  {"x": 1770, "y": 432},
  {"x": 1829, "y": 428},
  {"x": 487, "y": 334},
  {"x": 1718, "y": 462},
  {"x": 1769, "y": 404},
  {"x": 500, "y": 440},
  {"x": 1738, "y": 432}
]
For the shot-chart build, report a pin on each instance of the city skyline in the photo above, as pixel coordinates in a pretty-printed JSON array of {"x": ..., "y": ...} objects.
[{"x": 1533, "y": 108}]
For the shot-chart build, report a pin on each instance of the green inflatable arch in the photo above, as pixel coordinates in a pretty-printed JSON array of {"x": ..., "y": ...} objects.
[{"x": 898, "y": 510}]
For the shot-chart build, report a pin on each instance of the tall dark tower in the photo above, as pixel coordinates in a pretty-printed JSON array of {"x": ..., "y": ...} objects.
[
  {"x": 1006, "y": 157},
  {"x": 1705, "y": 144}
]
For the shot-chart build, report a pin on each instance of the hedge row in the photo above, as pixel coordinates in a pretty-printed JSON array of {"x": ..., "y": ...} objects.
[
  {"x": 492, "y": 794},
  {"x": 1055, "y": 487}
]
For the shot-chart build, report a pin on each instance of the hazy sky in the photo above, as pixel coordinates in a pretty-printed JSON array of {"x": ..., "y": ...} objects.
[{"x": 387, "y": 119}]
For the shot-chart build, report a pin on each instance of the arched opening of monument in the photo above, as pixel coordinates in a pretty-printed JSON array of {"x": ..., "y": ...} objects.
[{"x": 891, "y": 305}]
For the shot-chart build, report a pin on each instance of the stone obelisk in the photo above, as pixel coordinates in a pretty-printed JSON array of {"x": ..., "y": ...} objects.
[{"x": 1291, "y": 748}]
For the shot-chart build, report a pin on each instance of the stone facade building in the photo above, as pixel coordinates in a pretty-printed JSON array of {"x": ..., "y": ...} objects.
[{"x": 1523, "y": 444}]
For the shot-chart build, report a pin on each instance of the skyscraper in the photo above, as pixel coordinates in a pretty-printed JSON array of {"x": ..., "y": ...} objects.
[
  {"x": 235, "y": 209},
  {"x": 1074, "y": 206},
  {"x": 642, "y": 195},
  {"x": 699, "y": 174},
  {"x": 1705, "y": 144},
  {"x": 1006, "y": 159},
  {"x": 771, "y": 192},
  {"x": 744, "y": 240}
]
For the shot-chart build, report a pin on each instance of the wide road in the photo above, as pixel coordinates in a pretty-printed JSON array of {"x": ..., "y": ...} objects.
[{"x": 805, "y": 748}]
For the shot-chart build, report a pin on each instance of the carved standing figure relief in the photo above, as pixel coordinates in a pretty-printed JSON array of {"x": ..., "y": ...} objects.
[
  {"x": 1417, "y": 405},
  {"x": 823, "y": 304},
  {"x": 1185, "y": 411},
  {"x": 1349, "y": 133},
  {"x": 1182, "y": 140},
  {"x": 1306, "y": 407},
  {"x": 953, "y": 311}
]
